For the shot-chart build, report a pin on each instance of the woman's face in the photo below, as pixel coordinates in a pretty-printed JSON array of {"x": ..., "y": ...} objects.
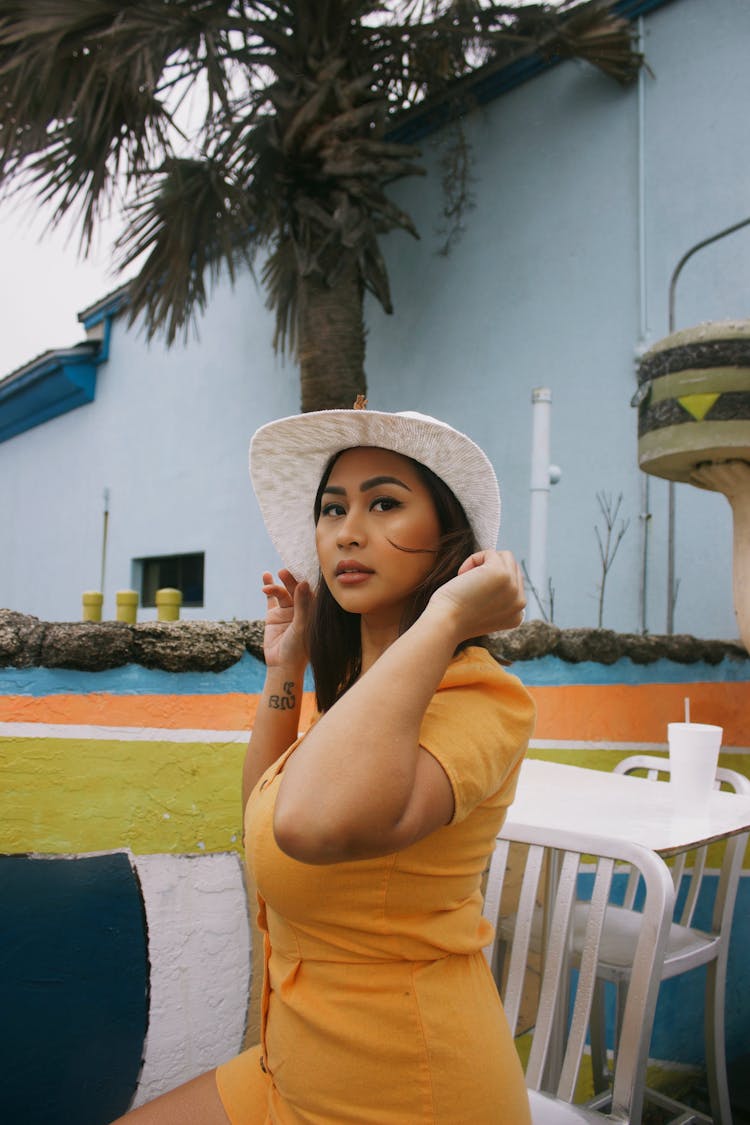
[{"x": 377, "y": 533}]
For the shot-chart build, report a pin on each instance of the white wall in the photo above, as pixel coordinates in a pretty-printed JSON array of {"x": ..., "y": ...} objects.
[{"x": 543, "y": 290}]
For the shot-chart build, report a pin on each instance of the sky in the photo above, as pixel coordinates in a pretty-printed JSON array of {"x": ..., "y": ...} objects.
[{"x": 44, "y": 285}]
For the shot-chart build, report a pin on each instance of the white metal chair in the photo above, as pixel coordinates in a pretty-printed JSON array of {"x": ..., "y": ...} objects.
[
  {"x": 687, "y": 947},
  {"x": 551, "y": 1080}
]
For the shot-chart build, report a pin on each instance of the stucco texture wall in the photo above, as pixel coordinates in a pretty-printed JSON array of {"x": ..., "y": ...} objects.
[{"x": 149, "y": 760}]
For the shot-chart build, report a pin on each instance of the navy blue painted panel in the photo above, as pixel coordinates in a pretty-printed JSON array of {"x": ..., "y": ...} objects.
[{"x": 73, "y": 988}]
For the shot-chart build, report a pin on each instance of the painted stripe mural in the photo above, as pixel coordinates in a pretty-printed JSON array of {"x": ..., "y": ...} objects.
[{"x": 132, "y": 774}]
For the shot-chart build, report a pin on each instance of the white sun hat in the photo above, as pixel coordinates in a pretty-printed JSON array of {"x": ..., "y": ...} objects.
[{"x": 288, "y": 458}]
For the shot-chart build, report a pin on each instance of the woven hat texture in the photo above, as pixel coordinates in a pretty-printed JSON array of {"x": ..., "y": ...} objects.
[{"x": 288, "y": 458}]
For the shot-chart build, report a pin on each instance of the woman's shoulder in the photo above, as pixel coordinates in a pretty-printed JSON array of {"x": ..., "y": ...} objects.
[
  {"x": 474, "y": 682},
  {"x": 478, "y": 725},
  {"x": 476, "y": 665}
]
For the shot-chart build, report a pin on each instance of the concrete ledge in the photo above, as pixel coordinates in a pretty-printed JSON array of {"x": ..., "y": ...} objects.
[{"x": 208, "y": 646}]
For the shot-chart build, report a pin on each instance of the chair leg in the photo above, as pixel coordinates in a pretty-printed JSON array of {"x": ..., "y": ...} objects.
[
  {"x": 498, "y": 965},
  {"x": 598, "y": 1038},
  {"x": 716, "y": 1059}
]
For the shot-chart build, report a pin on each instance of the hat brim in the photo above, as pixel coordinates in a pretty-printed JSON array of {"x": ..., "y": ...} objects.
[{"x": 288, "y": 458}]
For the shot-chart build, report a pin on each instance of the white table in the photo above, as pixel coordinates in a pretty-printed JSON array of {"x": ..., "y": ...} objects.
[{"x": 630, "y": 808}]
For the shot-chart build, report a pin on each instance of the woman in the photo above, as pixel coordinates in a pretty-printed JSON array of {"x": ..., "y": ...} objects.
[{"x": 367, "y": 838}]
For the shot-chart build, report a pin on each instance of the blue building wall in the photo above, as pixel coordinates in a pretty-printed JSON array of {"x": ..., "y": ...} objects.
[{"x": 587, "y": 195}]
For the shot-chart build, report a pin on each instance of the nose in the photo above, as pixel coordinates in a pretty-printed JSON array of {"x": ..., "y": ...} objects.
[{"x": 350, "y": 532}]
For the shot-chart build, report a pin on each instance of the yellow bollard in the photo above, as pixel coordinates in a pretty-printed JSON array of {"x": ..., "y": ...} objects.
[
  {"x": 92, "y": 605},
  {"x": 127, "y": 606},
  {"x": 168, "y": 602}
]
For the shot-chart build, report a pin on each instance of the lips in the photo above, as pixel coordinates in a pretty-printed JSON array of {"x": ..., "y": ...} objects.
[{"x": 352, "y": 567}]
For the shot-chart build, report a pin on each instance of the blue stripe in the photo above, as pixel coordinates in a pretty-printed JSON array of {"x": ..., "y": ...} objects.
[
  {"x": 550, "y": 671},
  {"x": 248, "y": 675}
]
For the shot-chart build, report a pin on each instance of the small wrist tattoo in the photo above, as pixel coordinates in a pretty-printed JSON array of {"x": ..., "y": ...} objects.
[{"x": 285, "y": 702}]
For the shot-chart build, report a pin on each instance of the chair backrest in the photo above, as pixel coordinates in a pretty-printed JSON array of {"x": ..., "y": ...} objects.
[
  {"x": 553, "y": 1064},
  {"x": 656, "y": 769}
]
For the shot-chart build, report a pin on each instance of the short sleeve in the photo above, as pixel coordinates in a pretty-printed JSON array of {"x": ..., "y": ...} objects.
[{"x": 478, "y": 726}]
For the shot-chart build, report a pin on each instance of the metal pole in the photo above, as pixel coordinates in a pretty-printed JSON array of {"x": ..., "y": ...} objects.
[
  {"x": 686, "y": 257},
  {"x": 541, "y": 398},
  {"x": 105, "y": 530},
  {"x": 645, "y": 515},
  {"x": 670, "y": 557}
]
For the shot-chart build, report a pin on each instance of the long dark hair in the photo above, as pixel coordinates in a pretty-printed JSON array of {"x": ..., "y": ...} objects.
[{"x": 334, "y": 638}]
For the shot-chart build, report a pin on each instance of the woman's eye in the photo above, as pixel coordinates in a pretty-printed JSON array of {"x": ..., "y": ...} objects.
[
  {"x": 332, "y": 510},
  {"x": 385, "y": 504}
]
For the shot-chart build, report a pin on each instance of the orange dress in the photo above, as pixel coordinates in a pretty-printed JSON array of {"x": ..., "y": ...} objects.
[{"x": 378, "y": 1006}]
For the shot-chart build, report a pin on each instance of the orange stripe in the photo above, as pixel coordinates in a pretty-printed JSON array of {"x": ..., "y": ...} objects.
[
  {"x": 230, "y": 711},
  {"x": 584, "y": 712},
  {"x": 640, "y": 712}
]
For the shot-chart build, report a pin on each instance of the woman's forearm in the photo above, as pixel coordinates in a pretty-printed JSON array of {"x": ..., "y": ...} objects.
[
  {"x": 350, "y": 781},
  {"x": 359, "y": 784},
  {"x": 276, "y": 723}
]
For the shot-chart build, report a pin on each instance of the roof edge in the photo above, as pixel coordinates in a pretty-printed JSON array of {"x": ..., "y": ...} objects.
[{"x": 108, "y": 305}]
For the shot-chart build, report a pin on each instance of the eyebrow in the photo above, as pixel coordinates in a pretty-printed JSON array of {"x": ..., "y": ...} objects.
[{"x": 366, "y": 485}]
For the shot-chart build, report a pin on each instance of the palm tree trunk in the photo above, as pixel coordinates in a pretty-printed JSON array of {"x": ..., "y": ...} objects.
[{"x": 331, "y": 337}]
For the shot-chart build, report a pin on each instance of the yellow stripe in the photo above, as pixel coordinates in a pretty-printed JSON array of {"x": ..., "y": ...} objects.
[{"x": 60, "y": 795}]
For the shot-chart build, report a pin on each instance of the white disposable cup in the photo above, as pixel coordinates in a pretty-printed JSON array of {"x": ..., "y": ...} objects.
[{"x": 693, "y": 757}]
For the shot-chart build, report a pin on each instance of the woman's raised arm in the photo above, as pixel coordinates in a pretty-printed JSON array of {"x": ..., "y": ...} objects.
[
  {"x": 359, "y": 784},
  {"x": 277, "y": 718}
]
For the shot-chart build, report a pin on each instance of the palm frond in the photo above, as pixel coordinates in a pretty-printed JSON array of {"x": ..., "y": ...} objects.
[
  {"x": 602, "y": 39},
  {"x": 280, "y": 277},
  {"x": 189, "y": 224},
  {"x": 82, "y": 84},
  {"x": 288, "y": 148}
]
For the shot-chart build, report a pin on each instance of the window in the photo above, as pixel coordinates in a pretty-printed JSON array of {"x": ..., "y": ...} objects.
[{"x": 182, "y": 572}]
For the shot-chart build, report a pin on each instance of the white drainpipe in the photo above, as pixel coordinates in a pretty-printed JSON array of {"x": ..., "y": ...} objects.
[
  {"x": 543, "y": 475},
  {"x": 643, "y": 329}
]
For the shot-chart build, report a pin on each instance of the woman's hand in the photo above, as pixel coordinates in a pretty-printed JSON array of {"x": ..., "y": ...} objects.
[
  {"x": 288, "y": 605},
  {"x": 486, "y": 595}
]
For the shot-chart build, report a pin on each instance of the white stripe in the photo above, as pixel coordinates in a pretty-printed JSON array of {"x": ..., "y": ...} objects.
[
  {"x": 575, "y": 744},
  {"x": 78, "y": 732},
  {"x": 199, "y": 950}
]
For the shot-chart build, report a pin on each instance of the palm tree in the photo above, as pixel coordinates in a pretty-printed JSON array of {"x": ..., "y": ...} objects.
[{"x": 225, "y": 128}]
